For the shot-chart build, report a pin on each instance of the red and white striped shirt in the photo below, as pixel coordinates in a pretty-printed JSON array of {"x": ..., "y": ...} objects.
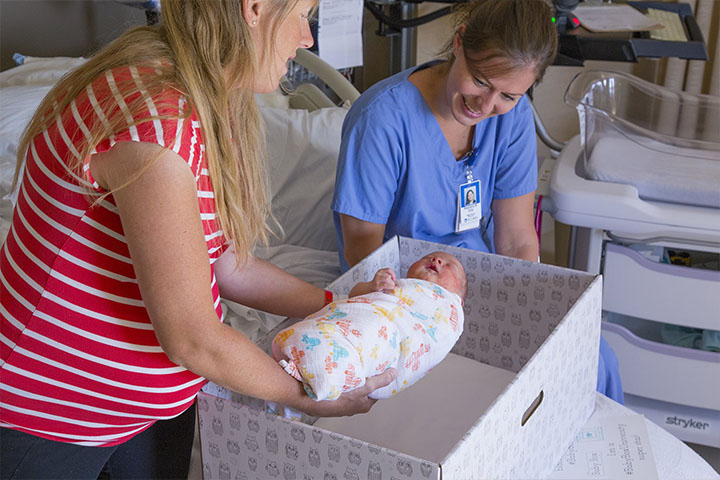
[{"x": 79, "y": 360}]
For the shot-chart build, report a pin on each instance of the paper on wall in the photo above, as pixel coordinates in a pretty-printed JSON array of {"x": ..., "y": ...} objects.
[
  {"x": 614, "y": 18},
  {"x": 340, "y": 32},
  {"x": 609, "y": 448}
]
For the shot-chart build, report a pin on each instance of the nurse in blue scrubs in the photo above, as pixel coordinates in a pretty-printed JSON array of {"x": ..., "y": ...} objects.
[{"x": 415, "y": 143}]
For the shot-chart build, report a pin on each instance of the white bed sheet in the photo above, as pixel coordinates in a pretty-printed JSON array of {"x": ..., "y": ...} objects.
[{"x": 658, "y": 173}]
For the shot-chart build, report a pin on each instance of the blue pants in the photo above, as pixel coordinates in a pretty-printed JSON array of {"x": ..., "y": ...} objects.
[
  {"x": 161, "y": 451},
  {"x": 608, "y": 382}
]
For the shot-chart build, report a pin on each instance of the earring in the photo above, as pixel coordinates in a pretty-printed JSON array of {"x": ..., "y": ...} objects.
[{"x": 254, "y": 22}]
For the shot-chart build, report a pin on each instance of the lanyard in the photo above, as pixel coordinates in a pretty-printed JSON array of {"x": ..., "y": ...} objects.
[
  {"x": 469, "y": 210},
  {"x": 467, "y": 158}
]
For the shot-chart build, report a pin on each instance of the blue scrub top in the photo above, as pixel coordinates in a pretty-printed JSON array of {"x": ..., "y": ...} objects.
[{"x": 396, "y": 168}]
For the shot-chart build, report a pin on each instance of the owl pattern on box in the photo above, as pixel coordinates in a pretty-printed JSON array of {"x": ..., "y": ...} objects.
[
  {"x": 286, "y": 454},
  {"x": 511, "y": 308}
]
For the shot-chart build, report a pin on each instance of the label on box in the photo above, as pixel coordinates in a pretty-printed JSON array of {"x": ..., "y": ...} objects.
[{"x": 608, "y": 448}]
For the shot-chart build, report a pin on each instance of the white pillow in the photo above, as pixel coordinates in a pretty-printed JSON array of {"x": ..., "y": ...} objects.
[
  {"x": 17, "y": 106},
  {"x": 22, "y": 88},
  {"x": 302, "y": 150},
  {"x": 39, "y": 71}
]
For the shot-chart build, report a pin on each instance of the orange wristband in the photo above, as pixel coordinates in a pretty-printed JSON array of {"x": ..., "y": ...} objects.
[{"x": 328, "y": 297}]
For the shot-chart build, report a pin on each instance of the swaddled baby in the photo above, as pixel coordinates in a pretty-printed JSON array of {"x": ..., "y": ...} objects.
[{"x": 410, "y": 324}]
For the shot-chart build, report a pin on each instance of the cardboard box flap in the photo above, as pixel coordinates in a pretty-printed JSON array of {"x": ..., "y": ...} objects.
[
  {"x": 385, "y": 256},
  {"x": 540, "y": 322},
  {"x": 562, "y": 375},
  {"x": 247, "y": 441}
]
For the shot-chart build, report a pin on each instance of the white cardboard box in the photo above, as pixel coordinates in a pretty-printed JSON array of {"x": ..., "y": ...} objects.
[{"x": 540, "y": 322}]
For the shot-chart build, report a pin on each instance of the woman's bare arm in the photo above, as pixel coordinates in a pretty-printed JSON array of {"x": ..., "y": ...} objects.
[
  {"x": 161, "y": 222},
  {"x": 260, "y": 284}
]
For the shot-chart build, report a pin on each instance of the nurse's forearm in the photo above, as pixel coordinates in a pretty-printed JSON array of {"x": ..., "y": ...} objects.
[
  {"x": 515, "y": 234},
  {"x": 526, "y": 249},
  {"x": 360, "y": 238},
  {"x": 356, "y": 251}
]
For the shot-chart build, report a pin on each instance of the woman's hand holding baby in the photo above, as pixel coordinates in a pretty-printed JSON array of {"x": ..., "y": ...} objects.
[{"x": 352, "y": 402}]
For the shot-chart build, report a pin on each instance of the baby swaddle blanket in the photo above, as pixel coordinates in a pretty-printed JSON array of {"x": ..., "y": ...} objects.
[{"x": 411, "y": 329}]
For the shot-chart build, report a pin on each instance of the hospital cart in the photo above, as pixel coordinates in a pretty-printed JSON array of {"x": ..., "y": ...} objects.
[{"x": 642, "y": 179}]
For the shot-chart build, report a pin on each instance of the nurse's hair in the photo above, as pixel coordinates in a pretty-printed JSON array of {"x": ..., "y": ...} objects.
[{"x": 520, "y": 32}]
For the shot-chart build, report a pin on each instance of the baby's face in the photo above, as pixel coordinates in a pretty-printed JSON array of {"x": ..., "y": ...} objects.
[{"x": 441, "y": 268}]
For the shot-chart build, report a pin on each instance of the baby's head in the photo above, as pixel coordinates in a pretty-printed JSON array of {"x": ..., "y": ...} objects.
[{"x": 443, "y": 269}]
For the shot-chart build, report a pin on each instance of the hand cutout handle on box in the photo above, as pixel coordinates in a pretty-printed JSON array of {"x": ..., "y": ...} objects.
[{"x": 531, "y": 409}]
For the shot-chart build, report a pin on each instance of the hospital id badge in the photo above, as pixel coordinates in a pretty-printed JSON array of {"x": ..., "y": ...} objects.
[{"x": 469, "y": 211}]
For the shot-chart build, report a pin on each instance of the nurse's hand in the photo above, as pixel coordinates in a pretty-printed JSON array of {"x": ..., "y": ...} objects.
[{"x": 354, "y": 401}]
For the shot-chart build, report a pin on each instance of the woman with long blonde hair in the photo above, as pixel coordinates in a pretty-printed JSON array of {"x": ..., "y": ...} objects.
[{"x": 141, "y": 196}]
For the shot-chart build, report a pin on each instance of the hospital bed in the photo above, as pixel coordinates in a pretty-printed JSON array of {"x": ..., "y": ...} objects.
[
  {"x": 643, "y": 179},
  {"x": 305, "y": 133}
]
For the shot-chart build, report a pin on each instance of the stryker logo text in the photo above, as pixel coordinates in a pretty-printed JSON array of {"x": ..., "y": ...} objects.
[{"x": 689, "y": 423}]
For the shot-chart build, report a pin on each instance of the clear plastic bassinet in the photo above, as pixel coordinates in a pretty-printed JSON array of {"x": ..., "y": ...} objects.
[{"x": 663, "y": 142}]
